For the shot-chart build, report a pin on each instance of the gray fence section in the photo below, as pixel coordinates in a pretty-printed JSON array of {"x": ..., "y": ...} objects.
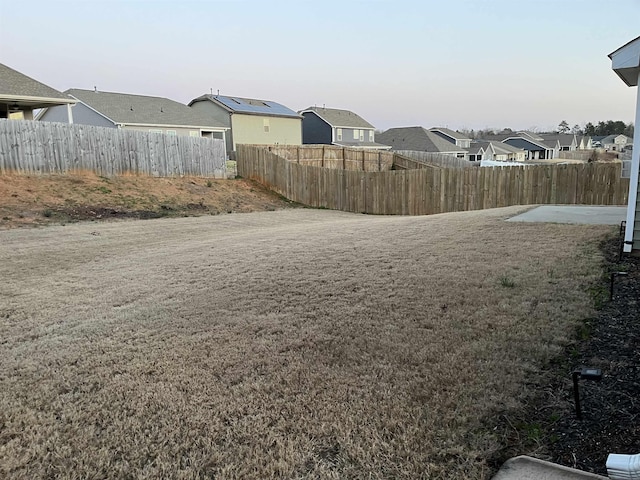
[
  {"x": 438, "y": 159},
  {"x": 47, "y": 147}
]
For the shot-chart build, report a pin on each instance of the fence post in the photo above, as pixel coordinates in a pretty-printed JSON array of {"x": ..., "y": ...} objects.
[
  {"x": 363, "y": 167},
  {"x": 298, "y": 149},
  {"x": 379, "y": 161},
  {"x": 344, "y": 160},
  {"x": 322, "y": 161}
]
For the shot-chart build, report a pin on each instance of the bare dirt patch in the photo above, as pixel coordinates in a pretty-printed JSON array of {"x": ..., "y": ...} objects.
[
  {"x": 289, "y": 344},
  {"x": 53, "y": 199}
]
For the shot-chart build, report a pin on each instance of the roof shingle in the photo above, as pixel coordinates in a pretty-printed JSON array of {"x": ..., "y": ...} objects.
[
  {"x": 140, "y": 109},
  {"x": 339, "y": 118}
]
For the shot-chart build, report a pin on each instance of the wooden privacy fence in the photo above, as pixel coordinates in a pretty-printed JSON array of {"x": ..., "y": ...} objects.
[
  {"x": 330, "y": 156},
  {"x": 436, "y": 190},
  {"x": 46, "y": 147},
  {"x": 437, "y": 159}
]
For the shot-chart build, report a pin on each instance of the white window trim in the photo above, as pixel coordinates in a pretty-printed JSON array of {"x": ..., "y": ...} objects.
[
  {"x": 339, "y": 134},
  {"x": 172, "y": 132},
  {"x": 356, "y": 134}
]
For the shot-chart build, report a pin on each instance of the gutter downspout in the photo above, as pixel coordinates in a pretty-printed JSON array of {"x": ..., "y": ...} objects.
[{"x": 633, "y": 185}]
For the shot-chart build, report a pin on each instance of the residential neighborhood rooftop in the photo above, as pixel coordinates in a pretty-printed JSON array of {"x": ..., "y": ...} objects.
[
  {"x": 339, "y": 118},
  {"x": 127, "y": 108},
  {"x": 18, "y": 86},
  {"x": 251, "y": 106},
  {"x": 417, "y": 138}
]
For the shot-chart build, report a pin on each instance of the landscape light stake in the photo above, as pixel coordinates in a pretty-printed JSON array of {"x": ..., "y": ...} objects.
[
  {"x": 622, "y": 244},
  {"x": 588, "y": 374},
  {"x": 623, "y": 225},
  {"x": 613, "y": 277}
]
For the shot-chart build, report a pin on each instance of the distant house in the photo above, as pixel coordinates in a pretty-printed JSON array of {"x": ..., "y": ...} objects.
[
  {"x": 535, "y": 147},
  {"x": 332, "y": 126},
  {"x": 21, "y": 95},
  {"x": 136, "y": 112},
  {"x": 498, "y": 151},
  {"x": 251, "y": 121},
  {"x": 456, "y": 138},
  {"x": 615, "y": 143},
  {"x": 421, "y": 140},
  {"x": 567, "y": 142}
]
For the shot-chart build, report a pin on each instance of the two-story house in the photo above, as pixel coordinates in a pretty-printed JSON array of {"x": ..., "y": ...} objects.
[
  {"x": 332, "y": 126},
  {"x": 251, "y": 121}
]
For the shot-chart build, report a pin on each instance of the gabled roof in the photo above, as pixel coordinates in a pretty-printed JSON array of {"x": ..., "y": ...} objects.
[
  {"x": 249, "y": 106},
  {"x": 625, "y": 61},
  {"x": 16, "y": 86},
  {"x": 125, "y": 108},
  {"x": 612, "y": 138},
  {"x": 339, "y": 118},
  {"x": 449, "y": 133},
  {"x": 565, "y": 139},
  {"x": 497, "y": 146},
  {"x": 418, "y": 139}
]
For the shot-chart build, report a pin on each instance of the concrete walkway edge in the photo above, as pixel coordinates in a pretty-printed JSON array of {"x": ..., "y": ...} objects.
[{"x": 529, "y": 468}]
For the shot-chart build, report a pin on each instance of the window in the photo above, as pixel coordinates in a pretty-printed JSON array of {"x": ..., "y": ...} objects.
[
  {"x": 339, "y": 134},
  {"x": 171, "y": 132},
  {"x": 154, "y": 130},
  {"x": 371, "y": 135},
  {"x": 193, "y": 133},
  {"x": 265, "y": 124},
  {"x": 356, "y": 134},
  {"x": 362, "y": 135}
]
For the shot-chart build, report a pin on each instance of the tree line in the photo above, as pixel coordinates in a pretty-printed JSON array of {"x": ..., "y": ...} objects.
[{"x": 602, "y": 128}]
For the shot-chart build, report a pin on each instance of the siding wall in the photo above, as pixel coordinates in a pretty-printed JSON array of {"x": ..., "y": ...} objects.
[
  {"x": 249, "y": 129},
  {"x": 315, "y": 130},
  {"x": 81, "y": 114}
]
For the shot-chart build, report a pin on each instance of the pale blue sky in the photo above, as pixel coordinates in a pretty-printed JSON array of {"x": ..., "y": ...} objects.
[{"x": 457, "y": 63}]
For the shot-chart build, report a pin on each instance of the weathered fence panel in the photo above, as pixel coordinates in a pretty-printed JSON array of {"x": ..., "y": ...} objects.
[
  {"x": 434, "y": 190},
  {"x": 334, "y": 157},
  {"x": 437, "y": 159},
  {"x": 46, "y": 147}
]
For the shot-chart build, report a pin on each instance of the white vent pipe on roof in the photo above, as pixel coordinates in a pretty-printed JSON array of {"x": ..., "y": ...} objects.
[{"x": 623, "y": 467}]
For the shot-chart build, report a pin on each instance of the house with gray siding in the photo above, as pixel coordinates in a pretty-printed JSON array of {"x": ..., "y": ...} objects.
[
  {"x": 333, "y": 126},
  {"x": 135, "y": 112},
  {"x": 20, "y": 95},
  {"x": 250, "y": 120}
]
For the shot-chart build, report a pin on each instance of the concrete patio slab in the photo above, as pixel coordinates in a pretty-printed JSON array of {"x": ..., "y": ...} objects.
[
  {"x": 579, "y": 214},
  {"x": 529, "y": 468}
]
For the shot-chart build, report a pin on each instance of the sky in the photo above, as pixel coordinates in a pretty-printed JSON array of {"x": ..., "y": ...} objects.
[{"x": 463, "y": 64}]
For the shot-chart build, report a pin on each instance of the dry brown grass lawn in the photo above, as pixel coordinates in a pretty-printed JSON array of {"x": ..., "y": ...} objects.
[{"x": 288, "y": 344}]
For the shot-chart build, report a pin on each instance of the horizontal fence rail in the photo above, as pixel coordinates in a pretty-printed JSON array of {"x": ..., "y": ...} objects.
[
  {"x": 47, "y": 147},
  {"x": 434, "y": 190}
]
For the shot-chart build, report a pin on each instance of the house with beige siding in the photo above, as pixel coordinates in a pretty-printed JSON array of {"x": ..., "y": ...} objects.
[
  {"x": 251, "y": 121},
  {"x": 135, "y": 112},
  {"x": 625, "y": 61},
  {"x": 20, "y": 95}
]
